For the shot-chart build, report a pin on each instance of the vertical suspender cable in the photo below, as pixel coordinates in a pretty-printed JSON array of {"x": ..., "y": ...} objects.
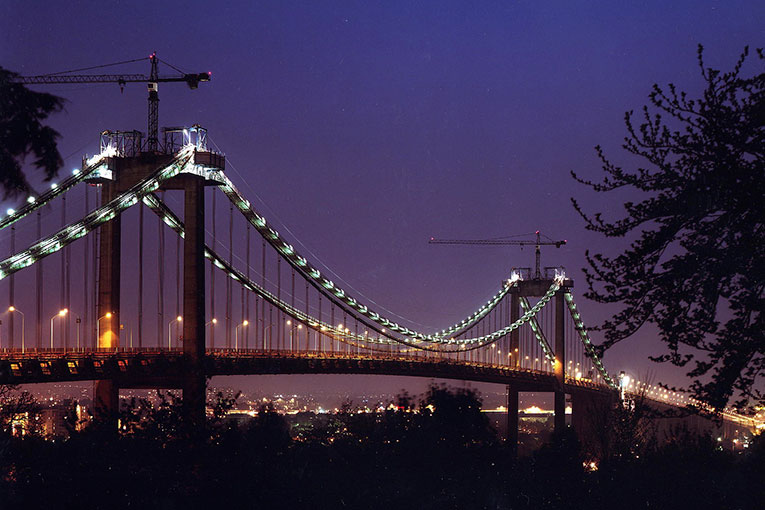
[
  {"x": 228, "y": 280},
  {"x": 212, "y": 277},
  {"x": 96, "y": 262},
  {"x": 39, "y": 282},
  {"x": 308, "y": 312},
  {"x": 270, "y": 327},
  {"x": 242, "y": 309},
  {"x": 279, "y": 297},
  {"x": 12, "y": 289},
  {"x": 85, "y": 274},
  {"x": 246, "y": 301},
  {"x": 178, "y": 279},
  {"x": 342, "y": 333},
  {"x": 140, "y": 274},
  {"x": 292, "y": 333},
  {"x": 66, "y": 284},
  {"x": 263, "y": 285},
  {"x": 161, "y": 281},
  {"x": 62, "y": 258}
]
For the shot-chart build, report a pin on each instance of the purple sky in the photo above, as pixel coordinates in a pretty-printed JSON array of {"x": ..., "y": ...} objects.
[{"x": 365, "y": 129}]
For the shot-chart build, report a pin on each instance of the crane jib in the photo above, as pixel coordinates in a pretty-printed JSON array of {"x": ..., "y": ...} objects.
[{"x": 111, "y": 78}]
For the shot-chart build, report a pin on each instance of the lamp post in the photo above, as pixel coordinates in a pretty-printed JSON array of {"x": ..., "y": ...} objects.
[
  {"x": 61, "y": 313},
  {"x": 292, "y": 329},
  {"x": 265, "y": 328},
  {"x": 337, "y": 336},
  {"x": 78, "y": 321},
  {"x": 236, "y": 333},
  {"x": 169, "y": 331},
  {"x": 213, "y": 321},
  {"x": 13, "y": 309},
  {"x": 107, "y": 315}
]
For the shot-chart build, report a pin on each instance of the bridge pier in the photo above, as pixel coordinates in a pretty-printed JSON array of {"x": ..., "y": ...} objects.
[
  {"x": 560, "y": 363},
  {"x": 512, "y": 420},
  {"x": 126, "y": 172},
  {"x": 106, "y": 393},
  {"x": 586, "y": 408},
  {"x": 194, "y": 382}
]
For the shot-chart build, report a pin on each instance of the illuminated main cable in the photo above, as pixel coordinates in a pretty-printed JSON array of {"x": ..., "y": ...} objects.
[
  {"x": 107, "y": 212},
  {"x": 170, "y": 219},
  {"x": 309, "y": 271},
  {"x": 56, "y": 189},
  {"x": 538, "y": 333},
  {"x": 579, "y": 325}
]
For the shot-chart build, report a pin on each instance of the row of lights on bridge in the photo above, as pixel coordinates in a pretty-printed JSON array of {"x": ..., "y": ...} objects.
[{"x": 31, "y": 199}]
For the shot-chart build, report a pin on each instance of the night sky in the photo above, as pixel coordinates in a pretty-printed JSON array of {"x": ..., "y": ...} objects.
[{"x": 362, "y": 129}]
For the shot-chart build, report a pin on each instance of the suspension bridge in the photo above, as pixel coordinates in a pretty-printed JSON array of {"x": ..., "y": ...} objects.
[{"x": 221, "y": 292}]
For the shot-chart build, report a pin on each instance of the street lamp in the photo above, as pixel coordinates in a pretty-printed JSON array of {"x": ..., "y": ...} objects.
[
  {"x": 108, "y": 315},
  {"x": 293, "y": 328},
  {"x": 13, "y": 309},
  {"x": 214, "y": 321},
  {"x": 236, "y": 333},
  {"x": 61, "y": 313},
  {"x": 169, "y": 331},
  {"x": 78, "y": 321}
]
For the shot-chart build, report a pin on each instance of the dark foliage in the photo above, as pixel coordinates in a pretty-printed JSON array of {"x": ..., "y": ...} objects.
[
  {"x": 696, "y": 268},
  {"x": 398, "y": 459},
  {"x": 22, "y": 113},
  {"x": 16, "y": 404}
]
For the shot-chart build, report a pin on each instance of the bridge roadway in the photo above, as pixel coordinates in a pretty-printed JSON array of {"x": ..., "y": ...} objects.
[
  {"x": 151, "y": 368},
  {"x": 164, "y": 368}
]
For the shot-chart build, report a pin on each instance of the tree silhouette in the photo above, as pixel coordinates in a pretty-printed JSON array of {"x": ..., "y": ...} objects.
[
  {"x": 696, "y": 269},
  {"x": 22, "y": 112}
]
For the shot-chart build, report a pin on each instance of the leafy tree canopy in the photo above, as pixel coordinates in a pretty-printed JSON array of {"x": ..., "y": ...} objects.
[
  {"x": 22, "y": 112},
  {"x": 696, "y": 268}
]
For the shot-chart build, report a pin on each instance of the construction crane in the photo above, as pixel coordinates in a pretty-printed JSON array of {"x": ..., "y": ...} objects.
[
  {"x": 537, "y": 243},
  {"x": 152, "y": 144}
]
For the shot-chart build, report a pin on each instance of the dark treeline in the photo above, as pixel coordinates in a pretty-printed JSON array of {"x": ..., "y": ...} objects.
[{"x": 445, "y": 455}]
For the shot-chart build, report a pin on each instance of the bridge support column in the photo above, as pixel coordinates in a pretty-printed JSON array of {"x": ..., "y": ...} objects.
[
  {"x": 108, "y": 317},
  {"x": 515, "y": 339},
  {"x": 106, "y": 401},
  {"x": 582, "y": 408},
  {"x": 512, "y": 420},
  {"x": 589, "y": 413},
  {"x": 194, "y": 384},
  {"x": 560, "y": 363}
]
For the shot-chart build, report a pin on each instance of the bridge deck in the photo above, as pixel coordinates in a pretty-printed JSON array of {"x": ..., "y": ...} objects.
[{"x": 161, "y": 368}]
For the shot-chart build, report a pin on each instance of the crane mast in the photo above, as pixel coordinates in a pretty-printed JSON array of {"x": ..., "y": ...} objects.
[
  {"x": 152, "y": 142},
  {"x": 537, "y": 243}
]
